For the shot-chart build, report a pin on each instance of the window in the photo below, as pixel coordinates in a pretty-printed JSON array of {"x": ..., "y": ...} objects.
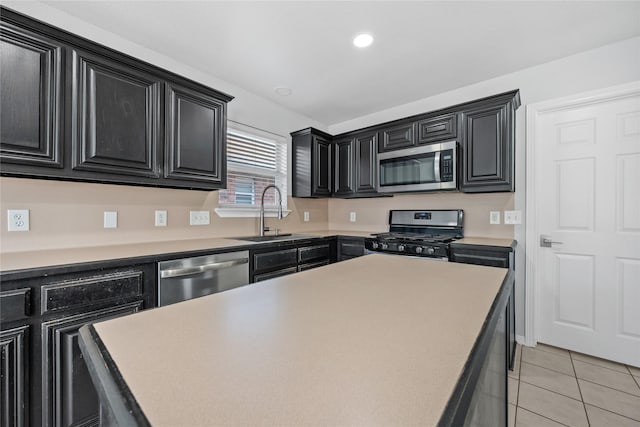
[{"x": 254, "y": 161}]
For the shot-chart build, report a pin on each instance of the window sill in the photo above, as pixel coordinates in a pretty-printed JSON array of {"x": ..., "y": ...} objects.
[{"x": 233, "y": 212}]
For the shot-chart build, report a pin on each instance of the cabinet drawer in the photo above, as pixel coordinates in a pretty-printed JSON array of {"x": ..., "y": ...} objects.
[
  {"x": 91, "y": 291},
  {"x": 311, "y": 253},
  {"x": 437, "y": 128},
  {"x": 276, "y": 259},
  {"x": 15, "y": 304},
  {"x": 311, "y": 265},
  {"x": 273, "y": 274},
  {"x": 481, "y": 257},
  {"x": 396, "y": 137},
  {"x": 351, "y": 249}
]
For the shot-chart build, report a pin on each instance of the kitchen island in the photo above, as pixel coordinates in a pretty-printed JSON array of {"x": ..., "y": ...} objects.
[{"x": 377, "y": 340}]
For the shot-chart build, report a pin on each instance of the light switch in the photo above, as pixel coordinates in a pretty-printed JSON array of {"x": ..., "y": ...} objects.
[
  {"x": 199, "y": 218},
  {"x": 494, "y": 217},
  {"x": 161, "y": 219},
  {"x": 110, "y": 219}
]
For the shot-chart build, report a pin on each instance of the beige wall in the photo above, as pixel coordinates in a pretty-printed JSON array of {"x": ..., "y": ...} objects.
[
  {"x": 373, "y": 214},
  {"x": 69, "y": 214}
]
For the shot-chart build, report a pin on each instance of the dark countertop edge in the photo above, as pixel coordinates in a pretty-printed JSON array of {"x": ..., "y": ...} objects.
[
  {"x": 108, "y": 380},
  {"x": 460, "y": 401},
  {"x": 144, "y": 259}
]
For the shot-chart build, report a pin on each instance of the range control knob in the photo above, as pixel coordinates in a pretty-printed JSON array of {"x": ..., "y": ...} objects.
[
  {"x": 384, "y": 246},
  {"x": 430, "y": 250},
  {"x": 419, "y": 250},
  {"x": 400, "y": 248},
  {"x": 374, "y": 245}
]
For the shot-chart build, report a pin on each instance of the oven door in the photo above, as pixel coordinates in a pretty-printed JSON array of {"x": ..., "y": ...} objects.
[{"x": 425, "y": 168}]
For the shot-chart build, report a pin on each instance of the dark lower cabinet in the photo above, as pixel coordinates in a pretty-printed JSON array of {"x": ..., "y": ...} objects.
[
  {"x": 115, "y": 117},
  {"x": 271, "y": 262},
  {"x": 31, "y": 101},
  {"x": 487, "y": 144},
  {"x": 68, "y": 395},
  {"x": 43, "y": 377},
  {"x": 350, "y": 247},
  {"x": 14, "y": 376},
  {"x": 493, "y": 256}
]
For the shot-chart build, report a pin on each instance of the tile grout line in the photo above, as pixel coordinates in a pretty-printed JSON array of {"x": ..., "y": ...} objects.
[
  {"x": 610, "y": 388},
  {"x": 600, "y": 366},
  {"x": 544, "y": 416},
  {"x": 636, "y": 380},
  {"x": 586, "y": 414},
  {"x": 546, "y": 367},
  {"x": 611, "y": 412},
  {"x": 555, "y": 392}
]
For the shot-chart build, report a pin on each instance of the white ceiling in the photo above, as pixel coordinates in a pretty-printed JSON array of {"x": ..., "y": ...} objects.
[{"x": 421, "y": 48}]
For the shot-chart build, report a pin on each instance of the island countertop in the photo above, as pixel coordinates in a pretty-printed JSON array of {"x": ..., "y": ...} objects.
[{"x": 377, "y": 340}]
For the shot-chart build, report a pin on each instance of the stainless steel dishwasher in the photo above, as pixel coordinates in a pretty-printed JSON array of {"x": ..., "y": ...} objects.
[{"x": 187, "y": 278}]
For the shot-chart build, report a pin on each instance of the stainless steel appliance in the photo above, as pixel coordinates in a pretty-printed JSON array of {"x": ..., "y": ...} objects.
[
  {"x": 419, "y": 233},
  {"x": 430, "y": 167},
  {"x": 187, "y": 278}
]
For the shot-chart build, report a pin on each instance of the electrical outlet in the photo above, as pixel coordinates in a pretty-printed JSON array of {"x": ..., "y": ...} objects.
[
  {"x": 199, "y": 218},
  {"x": 494, "y": 217},
  {"x": 513, "y": 217},
  {"x": 110, "y": 219},
  {"x": 352, "y": 216},
  {"x": 306, "y": 216},
  {"x": 18, "y": 219},
  {"x": 161, "y": 219}
]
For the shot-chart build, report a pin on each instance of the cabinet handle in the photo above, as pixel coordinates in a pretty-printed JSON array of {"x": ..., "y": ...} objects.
[{"x": 187, "y": 271}]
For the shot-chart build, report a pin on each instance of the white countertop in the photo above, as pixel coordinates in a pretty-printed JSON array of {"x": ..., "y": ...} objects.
[{"x": 376, "y": 340}]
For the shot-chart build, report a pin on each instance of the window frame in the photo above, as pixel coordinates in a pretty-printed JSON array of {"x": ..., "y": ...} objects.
[{"x": 281, "y": 175}]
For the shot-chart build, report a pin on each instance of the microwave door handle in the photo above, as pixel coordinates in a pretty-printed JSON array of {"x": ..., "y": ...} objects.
[{"x": 436, "y": 166}]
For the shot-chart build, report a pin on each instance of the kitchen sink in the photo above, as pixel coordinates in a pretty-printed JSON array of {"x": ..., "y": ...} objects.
[{"x": 274, "y": 238}]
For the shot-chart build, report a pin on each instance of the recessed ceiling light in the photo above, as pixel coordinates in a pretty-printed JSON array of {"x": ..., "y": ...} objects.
[
  {"x": 283, "y": 91},
  {"x": 363, "y": 40}
]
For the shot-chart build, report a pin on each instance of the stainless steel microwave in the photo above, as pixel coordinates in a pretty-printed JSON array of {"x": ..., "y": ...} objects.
[{"x": 426, "y": 168}]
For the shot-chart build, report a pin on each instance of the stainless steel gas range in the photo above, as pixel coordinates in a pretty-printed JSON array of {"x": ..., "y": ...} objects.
[{"x": 419, "y": 233}]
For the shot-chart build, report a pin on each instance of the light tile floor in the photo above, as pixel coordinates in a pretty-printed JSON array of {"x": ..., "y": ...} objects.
[{"x": 550, "y": 386}]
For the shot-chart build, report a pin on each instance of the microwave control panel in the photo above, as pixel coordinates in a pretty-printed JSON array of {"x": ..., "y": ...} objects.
[{"x": 446, "y": 165}]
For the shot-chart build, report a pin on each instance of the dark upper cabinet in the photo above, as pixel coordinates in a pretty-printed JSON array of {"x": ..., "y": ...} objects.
[
  {"x": 344, "y": 167},
  {"x": 196, "y": 125},
  {"x": 487, "y": 144},
  {"x": 397, "y": 136},
  {"x": 124, "y": 121},
  {"x": 31, "y": 100},
  {"x": 365, "y": 162},
  {"x": 437, "y": 129},
  {"x": 115, "y": 117},
  {"x": 311, "y": 163}
]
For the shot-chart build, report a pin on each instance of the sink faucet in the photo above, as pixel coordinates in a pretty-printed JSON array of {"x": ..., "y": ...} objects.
[{"x": 262, "y": 227}]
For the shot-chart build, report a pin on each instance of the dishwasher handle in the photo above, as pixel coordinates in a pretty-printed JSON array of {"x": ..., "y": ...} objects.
[{"x": 188, "y": 271}]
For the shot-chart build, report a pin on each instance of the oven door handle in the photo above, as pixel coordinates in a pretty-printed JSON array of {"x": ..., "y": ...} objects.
[{"x": 188, "y": 271}]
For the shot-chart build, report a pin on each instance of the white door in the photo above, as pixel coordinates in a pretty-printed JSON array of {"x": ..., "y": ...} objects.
[{"x": 586, "y": 174}]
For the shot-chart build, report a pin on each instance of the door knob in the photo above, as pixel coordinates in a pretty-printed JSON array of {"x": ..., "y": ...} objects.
[{"x": 546, "y": 241}]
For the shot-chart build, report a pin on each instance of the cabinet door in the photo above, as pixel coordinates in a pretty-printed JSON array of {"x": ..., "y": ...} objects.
[
  {"x": 365, "y": 162},
  {"x": 398, "y": 136},
  {"x": 13, "y": 377},
  {"x": 31, "y": 100},
  {"x": 344, "y": 166},
  {"x": 434, "y": 129},
  {"x": 196, "y": 128},
  {"x": 115, "y": 117},
  {"x": 321, "y": 166},
  {"x": 487, "y": 149},
  {"x": 68, "y": 395}
]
